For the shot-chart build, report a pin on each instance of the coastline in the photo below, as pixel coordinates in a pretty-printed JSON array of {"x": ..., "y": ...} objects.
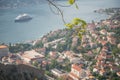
[{"x": 24, "y": 37}]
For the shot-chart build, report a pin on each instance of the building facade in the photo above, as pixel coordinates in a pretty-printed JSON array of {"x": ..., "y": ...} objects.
[{"x": 4, "y": 50}]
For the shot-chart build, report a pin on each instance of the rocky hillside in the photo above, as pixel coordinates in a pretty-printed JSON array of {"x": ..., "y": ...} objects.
[{"x": 20, "y": 72}]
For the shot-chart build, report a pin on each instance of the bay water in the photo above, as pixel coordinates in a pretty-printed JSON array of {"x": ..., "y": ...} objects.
[{"x": 45, "y": 21}]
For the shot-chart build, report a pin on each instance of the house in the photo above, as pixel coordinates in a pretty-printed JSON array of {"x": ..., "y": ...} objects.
[
  {"x": 76, "y": 60},
  {"x": 4, "y": 51},
  {"x": 77, "y": 72},
  {"x": 118, "y": 45},
  {"x": 111, "y": 39},
  {"x": 95, "y": 69},
  {"x": 93, "y": 45},
  {"x": 53, "y": 54},
  {"x": 12, "y": 59},
  {"x": 118, "y": 73},
  {"x": 68, "y": 54},
  {"x": 45, "y": 62},
  {"x": 110, "y": 33},
  {"x": 94, "y": 35},
  {"x": 91, "y": 26},
  {"x": 75, "y": 41},
  {"x": 18, "y": 61},
  {"x": 114, "y": 26},
  {"x": 32, "y": 55},
  {"x": 41, "y": 50},
  {"x": 105, "y": 48},
  {"x": 103, "y": 32},
  {"x": 4, "y": 59},
  {"x": 85, "y": 39},
  {"x": 60, "y": 60},
  {"x": 102, "y": 72},
  {"x": 103, "y": 42},
  {"x": 58, "y": 73},
  {"x": 114, "y": 69},
  {"x": 106, "y": 22},
  {"x": 117, "y": 62}
]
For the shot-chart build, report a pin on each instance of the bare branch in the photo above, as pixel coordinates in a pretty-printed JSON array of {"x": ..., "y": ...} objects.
[{"x": 59, "y": 10}]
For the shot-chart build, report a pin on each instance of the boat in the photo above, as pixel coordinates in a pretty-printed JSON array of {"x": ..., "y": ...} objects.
[{"x": 23, "y": 18}]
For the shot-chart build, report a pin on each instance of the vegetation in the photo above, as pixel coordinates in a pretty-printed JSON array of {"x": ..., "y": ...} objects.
[
  {"x": 38, "y": 45},
  {"x": 19, "y": 47},
  {"x": 20, "y": 72}
]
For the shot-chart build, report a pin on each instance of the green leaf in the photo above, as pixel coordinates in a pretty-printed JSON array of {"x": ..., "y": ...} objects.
[
  {"x": 76, "y": 21},
  {"x": 71, "y": 2},
  {"x": 69, "y": 25},
  {"x": 83, "y": 26},
  {"x": 76, "y": 6},
  {"x": 82, "y": 30},
  {"x": 80, "y": 35},
  {"x": 83, "y": 22}
]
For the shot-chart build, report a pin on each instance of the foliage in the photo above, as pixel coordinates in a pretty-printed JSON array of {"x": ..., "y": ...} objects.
[
  {"x": 53, "y": 64},
  {"x": 67, "y": 67},
  {"x": 79, "y": 25},
  {"x": 71, "y": 2},
  {"x": 61, "y": 47},
  {"x": 74, "y": 49},
  {"x": 35, "y": 63},
  {"x": 38, "y": 45},
  {"x": 19, "y": 72},
  {"x": 115, "y": 51},
  {"x": 117, "y": 34},
  {"x": 48, "y": 73},
  {"x": 61, "y": 78},
  {"x": 19, "y": 47},
  {"x": 49, "y": 48}
]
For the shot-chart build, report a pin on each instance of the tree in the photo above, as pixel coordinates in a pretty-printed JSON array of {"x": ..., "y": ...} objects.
[
  {"x": 78, "y": 24},
  {"x": 19, "y": 47},
  {"x": 35, "y": 63},
  {"x": 39, "y": 45},
  {"x": 47, "y": 67},
  {"x": 53, "y": 64},
  {"x": 61, "y": 47}
]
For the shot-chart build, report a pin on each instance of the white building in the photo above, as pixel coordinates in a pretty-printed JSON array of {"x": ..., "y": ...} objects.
[
  {"x": 29, "y": 56},
  {"x": 58, "y": 73},
  {"x": 77, "y": 72}
]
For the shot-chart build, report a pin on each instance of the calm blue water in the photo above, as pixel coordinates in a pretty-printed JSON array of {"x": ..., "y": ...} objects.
[{"x": 44, "y": 20}]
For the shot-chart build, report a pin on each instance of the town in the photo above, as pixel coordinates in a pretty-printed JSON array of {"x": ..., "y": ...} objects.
[{"x": 63, "y": 56}]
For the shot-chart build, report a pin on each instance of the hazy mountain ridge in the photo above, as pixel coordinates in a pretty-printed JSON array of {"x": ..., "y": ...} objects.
[{"x": 18, "y": 3}]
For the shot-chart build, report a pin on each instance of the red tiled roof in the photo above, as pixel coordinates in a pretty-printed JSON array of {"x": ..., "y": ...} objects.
[
  {"x": 99, "y": 58},
  {"x": 72, "y": 74},
  {"x": 2, "y": 46},
  {"x": 102, "y": 70},
  {"x": 19, "y": 61},
  {"x": 118, "y": 73},
  {"x": 77, "y": 66},
  {"x": 109, "y": 56},
  {"x": 103, "y": 42}
]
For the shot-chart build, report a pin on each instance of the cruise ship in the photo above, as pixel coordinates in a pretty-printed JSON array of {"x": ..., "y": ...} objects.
[{"x": 23, "y": 18}]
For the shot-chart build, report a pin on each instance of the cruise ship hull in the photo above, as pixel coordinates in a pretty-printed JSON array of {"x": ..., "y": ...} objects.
[{"x": 23, "y": 20}]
